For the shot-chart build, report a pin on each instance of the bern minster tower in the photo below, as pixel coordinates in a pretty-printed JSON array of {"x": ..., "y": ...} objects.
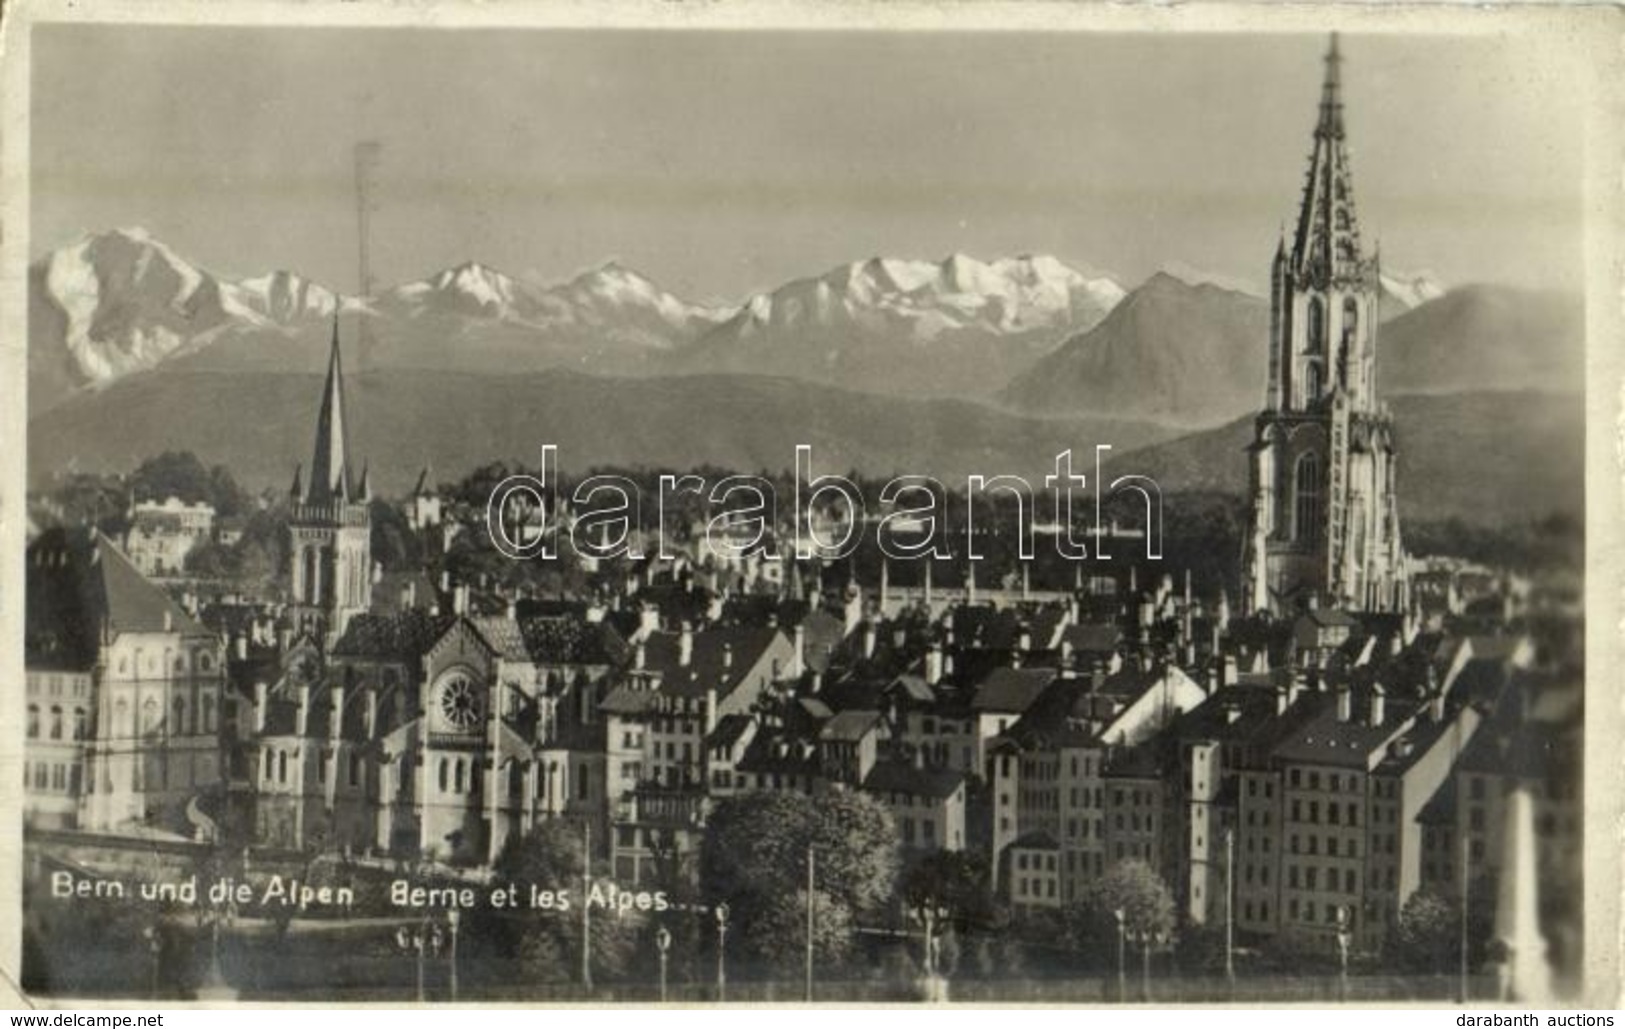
[
  {"x": 1325, "y": 521},
  {"x": 330, "y": 522}
]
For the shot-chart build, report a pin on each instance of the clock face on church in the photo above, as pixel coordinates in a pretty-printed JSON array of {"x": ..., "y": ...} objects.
[{"x": 459, "y": 702}]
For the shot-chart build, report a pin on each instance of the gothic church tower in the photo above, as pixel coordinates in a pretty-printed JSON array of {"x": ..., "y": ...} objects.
[
  {"x": 1325, "y": 522},
  {"x": 330, "y": 522}
]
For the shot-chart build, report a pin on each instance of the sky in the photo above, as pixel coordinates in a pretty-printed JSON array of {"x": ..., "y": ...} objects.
[{"x": 724, "y": 162}]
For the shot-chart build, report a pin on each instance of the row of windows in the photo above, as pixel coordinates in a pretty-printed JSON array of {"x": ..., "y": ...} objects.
[
  {"x": 1349, "y": 848},
  {"x": 53, "y": 684},
  {"x": 927, "y": 835},
  {"x": 1335, "y": 815},
  {"x": 81, "y": 722},
  {"x": 1037, "y": 862},
  {"x": 1310, "y": 879},
  {"x": 1036, "y": 889},
  {"x": 56, "y": 777},
  {"x": 1297, "y": 778},
  {"x": 203, "y": 660}
]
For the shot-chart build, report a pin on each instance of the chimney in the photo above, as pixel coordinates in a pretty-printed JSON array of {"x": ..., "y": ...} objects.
[
  {"x": 460, "y": 600},
  {"x": 377, "y": 572},
  {"x": 411, "y": 593},
  {"x": 639, "y": 655},
  {"x": 685, "y": 645},
  {"x": 1378, "y": 705},
  {"x": 302, "y": 716},
  {"x": 445, "y": 581},
  {"x": 261, "y": 703},
  {"x": 727, "y": 655},
  {"x": 336, "y": 695},
  {"x": 816, "y": 686},
  {"x": 372, "y": 713},
  {"x": 240, "y": 646},
  {"x": 933, "y": 664},
  {"x": 1066, "y": 652},
  {"x": 169, "y": 620},
  {"x": 1345, "y": 703},
  {"x": 1283, "y": 699},
  {"x": 798, "y": 659},
  {"x": 868, "y": 639},
  {"x": 513, "y": 611}
]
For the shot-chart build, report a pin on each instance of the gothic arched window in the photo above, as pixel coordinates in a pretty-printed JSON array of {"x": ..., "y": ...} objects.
[
  {"x": 1317, "y": 325},
  {"x": 1351, "y": 317},
  {"x": 1312, "y": 382},
  {"x": 180, "y": 717},
  {"x": 1306, "y": 496},
  {"x": 443, "y": 766}
]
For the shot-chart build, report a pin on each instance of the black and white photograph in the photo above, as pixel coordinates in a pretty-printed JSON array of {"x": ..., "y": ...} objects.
[{"x": 728, "y": 505}]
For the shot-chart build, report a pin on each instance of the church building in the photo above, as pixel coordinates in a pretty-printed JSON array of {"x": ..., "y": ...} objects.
[{"x": 1325, "y": 521}]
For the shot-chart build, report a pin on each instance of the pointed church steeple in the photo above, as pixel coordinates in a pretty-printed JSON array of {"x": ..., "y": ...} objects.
[
  {"x": 330, "y": 464},
  {"x": 1326, "y": 245}
]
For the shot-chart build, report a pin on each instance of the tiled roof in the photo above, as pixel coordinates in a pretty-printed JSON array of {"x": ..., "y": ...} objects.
[
  {"x": 728, "y": 731},
  {"x": 401, "y": 636}
]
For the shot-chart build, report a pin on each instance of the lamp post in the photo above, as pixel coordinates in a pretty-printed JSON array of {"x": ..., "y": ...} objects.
[
  {"x": 154, "y": 946},
  {"x": 722, "y": 951},
  {"x": 1230, "y": 908},
  {"x": 662, "y": 944},
  {"x": 420, "y": 942},
  {"x": 809, "y": 923},
  {"x": 1343, "y": 938},
  {"x": 1122, "y": 956},
  {"x": 453, "y": 918}
]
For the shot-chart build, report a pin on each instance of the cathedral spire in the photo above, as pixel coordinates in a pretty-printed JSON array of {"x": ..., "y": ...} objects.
[
  {"x": 1326, "y": 244},
  {"x": 330, "y": 464}
]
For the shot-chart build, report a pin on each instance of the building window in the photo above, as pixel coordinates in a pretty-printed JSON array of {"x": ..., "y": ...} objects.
[
  {"x": 1316, "y": 325},
  {"x": 1306, "y": 493},
  {"x": 33, "y": 721},
  {"x": 80, "y": 723}
]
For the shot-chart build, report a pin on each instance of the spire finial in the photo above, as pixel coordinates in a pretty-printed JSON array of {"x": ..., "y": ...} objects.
[{"x": 1331, "y": 94}]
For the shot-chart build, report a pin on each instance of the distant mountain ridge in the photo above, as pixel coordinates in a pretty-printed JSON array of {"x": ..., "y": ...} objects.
[
  {"x": 1485, "y": 457},
  {"x": 121, "y": 303},
  {"x": 1197, "y": 354}
]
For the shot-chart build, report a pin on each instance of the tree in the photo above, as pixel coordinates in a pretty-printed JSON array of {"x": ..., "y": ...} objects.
[
  {"x": 1134, "y": 888},
  {"x": 951, "y": 880},
  {"x": 1429, "y": 932},
  {"x": 548, "y": 941},
  {"x": 754, "y": 857}
]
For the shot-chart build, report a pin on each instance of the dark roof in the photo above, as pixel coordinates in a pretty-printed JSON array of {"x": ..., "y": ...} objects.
[
  {"x": 1322, "y": 739},
  {"x": 1011, "y": 690},
  {"x": 1035, "y": 840},
  {"x": 901, "y": 777},
  {"x": 572, "y": 640},
  {"x": 719, "y": 659},
  {"x": 401, "y": 636},
  {"x": 728, "y": 731},
  {"x": 1092, "y": 638},
  {"x": 849, "y": 726},
  {"x": 75, "y": 582}
]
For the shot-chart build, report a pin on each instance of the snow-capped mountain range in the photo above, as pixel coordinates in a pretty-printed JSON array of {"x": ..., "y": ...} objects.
[{"x": 122, "y": 302}]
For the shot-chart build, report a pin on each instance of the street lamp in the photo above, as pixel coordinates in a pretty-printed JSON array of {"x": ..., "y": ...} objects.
[
  {"x": 722, "y": 949},
  {"x": 662, "y": 944},
  {"x": 453, "y": 918},
  {"x": 1343, "y": 938},
  {"x": 154, "y": 945},
  {"x": 1122, "y": 956},
  {"x": 421, "y": 941}
]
